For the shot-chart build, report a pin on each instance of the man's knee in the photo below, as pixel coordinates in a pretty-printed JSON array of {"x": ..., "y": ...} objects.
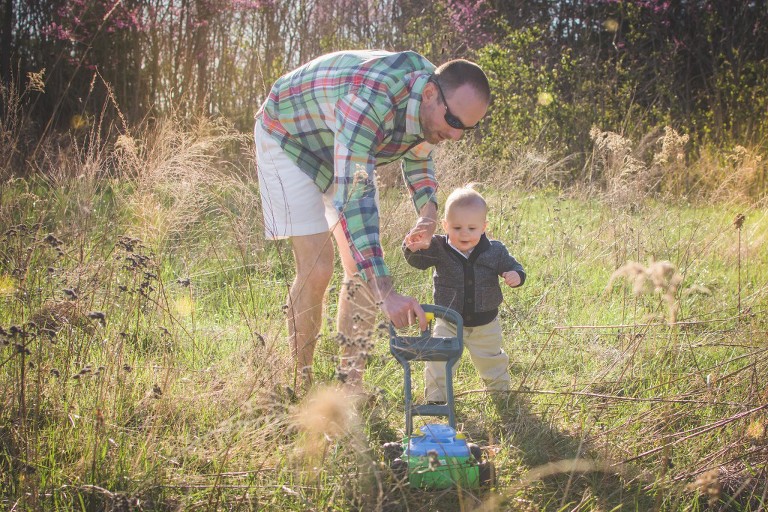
[
  {"x": 318, "y": 275},
  {"x": 314, "y": 264}
]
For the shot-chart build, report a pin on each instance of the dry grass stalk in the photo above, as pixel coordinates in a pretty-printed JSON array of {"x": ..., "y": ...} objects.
[
  {"x": 325, "y": 416},
  {"x": 55, "y": 315},
  {"x": 626, "y": 173},
  {"x": 743, "y": 175},
  {"x": 12, "y": 126},
  {"x": 177, "y": 173},
  {"x": 738, "y": 175},
  {"x": 36, "y": 81},
  {"x": 659, "y": 277},
  {"x": 708, "y": 484}
]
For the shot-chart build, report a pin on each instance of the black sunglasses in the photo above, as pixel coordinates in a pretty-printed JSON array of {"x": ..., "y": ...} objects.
[{"x": 452, "y": 120}]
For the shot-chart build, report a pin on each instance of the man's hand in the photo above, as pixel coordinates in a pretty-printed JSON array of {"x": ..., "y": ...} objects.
[
  {"x": 512, "y": 278},
  {"x": 402, "y": 311},
  {"x": 420, "y": 236}
]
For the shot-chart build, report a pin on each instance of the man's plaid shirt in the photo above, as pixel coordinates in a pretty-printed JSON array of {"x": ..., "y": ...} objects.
[{"x": 341, "y": 115}]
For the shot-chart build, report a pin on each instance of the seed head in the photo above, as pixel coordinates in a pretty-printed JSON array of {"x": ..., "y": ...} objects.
[
  {"x": 98, "y": 315},
  {"x": 51, "y": 240}
]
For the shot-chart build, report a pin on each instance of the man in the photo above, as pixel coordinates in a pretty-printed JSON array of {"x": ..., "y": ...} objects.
[{"x": 319, "y": 137}]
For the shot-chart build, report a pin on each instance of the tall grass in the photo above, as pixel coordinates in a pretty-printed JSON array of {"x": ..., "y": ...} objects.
[{"x": 143, "y": 363}]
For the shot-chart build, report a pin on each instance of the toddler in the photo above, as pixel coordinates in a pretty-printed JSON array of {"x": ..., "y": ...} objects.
[{"x": 466, "y": 279}]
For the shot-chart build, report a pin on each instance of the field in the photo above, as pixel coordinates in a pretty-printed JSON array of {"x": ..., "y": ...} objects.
[{"x": 143, "y": 362}]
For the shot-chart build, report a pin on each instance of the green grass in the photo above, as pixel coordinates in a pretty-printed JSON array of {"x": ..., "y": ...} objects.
[{"x": 182, "y": 397}]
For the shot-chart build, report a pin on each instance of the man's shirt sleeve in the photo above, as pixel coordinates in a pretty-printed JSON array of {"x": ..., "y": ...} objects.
[
  {"x": 358, "y": 133},
  {"x": 419, "y": 175}
]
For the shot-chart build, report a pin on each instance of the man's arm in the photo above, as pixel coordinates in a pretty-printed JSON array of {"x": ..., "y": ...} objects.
[
  {"x": 359, "y": 130},
  {"x": 419, "y": 176},
  {"x": 418, "y": 171}
]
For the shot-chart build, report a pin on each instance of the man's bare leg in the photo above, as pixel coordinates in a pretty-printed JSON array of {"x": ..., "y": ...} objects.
[
  {"x": 314, "y": 269},
  {"x": 356, "y": 317}
]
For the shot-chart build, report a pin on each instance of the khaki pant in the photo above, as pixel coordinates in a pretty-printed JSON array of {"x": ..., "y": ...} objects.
[{"x": 484, "y": 346}]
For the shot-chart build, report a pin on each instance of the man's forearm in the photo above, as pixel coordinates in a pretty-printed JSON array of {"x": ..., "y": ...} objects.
[
  {"x": 429, "y": 211},
  {"x": 381, "y": 286}
]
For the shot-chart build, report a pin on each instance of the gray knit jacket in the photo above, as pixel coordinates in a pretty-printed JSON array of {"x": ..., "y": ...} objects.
[{"x": 469, "y": 286}]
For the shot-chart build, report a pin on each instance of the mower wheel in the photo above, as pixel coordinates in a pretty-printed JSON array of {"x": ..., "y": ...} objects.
[
  {"x": 391, "y": 451},
  {"x": 487, "y": 474},
  {"x": 476, "y": 451}
]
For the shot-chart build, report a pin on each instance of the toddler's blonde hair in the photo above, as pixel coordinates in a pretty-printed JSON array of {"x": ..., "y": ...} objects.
[{"x": 463, "y": 197}]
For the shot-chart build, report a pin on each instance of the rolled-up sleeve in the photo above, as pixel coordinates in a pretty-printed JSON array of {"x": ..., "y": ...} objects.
[
  {"x": 419, "y": 175},
  {"x": 358, "y": 132}
]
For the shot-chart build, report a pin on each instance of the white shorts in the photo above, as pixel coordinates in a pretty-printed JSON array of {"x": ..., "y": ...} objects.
[{"x": 292, "y": 203}]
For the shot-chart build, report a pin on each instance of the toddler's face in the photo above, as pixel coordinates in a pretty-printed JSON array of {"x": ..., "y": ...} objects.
[{"x": 464, "y": 226}]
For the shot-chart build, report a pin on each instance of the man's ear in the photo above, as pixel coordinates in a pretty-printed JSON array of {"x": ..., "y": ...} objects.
[{"x": 429, "y": 92}]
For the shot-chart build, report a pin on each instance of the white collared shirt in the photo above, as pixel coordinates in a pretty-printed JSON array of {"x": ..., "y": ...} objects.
[{"x": 466, "y": 255}]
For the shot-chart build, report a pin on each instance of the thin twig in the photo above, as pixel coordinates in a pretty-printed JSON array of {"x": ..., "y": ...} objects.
[
  {"x": 626, "y": 326},
  {"x": 740, "y": 456},
  {"x": 603, "y": 397},
  {"x": 703, "y": 430},
  {"x": 536, "y": 359}
]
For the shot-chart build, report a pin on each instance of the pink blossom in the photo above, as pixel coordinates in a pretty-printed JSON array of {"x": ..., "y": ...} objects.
[
  {"x": 252, "y": 4},
  {"x": 470, "y": 19}
]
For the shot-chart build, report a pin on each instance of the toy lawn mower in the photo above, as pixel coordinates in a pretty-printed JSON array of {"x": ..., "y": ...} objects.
[{"x": 435, "y": 456}]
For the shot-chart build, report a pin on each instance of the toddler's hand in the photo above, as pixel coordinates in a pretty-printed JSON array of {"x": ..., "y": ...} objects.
[
  {"x": 420, "y": 236},
  {"x": 413, "y": 245},
  {"x": 413, "y": 242},
  {"x": 511, "y": 278}
]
